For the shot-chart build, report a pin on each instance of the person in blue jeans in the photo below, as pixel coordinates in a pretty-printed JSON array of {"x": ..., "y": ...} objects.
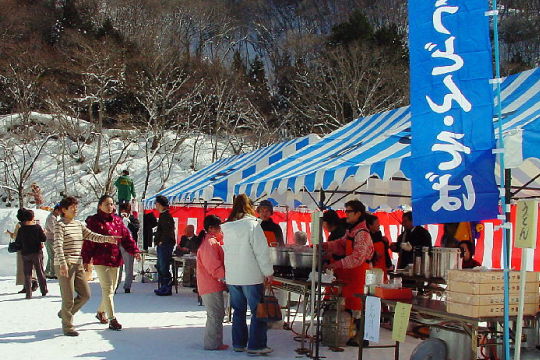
[
  {"x": 247, "y": 269},
  {"x": 165, "y": 241},
  {"x": 255, "y": 338}
]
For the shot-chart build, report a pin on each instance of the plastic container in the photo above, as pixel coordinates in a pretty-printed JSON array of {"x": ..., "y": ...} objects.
[{"x": 394, "y": 294}]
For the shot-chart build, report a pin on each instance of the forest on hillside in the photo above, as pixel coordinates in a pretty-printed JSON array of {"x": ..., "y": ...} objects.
[{"x": 253, "y": 72}]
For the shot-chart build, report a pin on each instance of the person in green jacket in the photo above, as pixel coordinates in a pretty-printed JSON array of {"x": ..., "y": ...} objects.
[{"x": 126, "y": 188}]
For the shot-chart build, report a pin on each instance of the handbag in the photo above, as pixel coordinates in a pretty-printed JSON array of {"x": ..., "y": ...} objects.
[
  {"x": 14, "y": 246},
  {"x": 268, "y": 310}
]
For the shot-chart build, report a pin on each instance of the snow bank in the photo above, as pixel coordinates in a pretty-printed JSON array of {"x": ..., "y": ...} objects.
[{"x": 79, "y": 179}]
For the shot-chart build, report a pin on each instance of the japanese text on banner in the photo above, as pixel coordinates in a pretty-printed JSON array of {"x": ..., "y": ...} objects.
[{"x": 452, "y": 112}]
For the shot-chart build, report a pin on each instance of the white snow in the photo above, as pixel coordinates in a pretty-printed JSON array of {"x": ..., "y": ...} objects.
[
  {"x": 81, "y": 182},
  {"x": 154, "y": 327}
]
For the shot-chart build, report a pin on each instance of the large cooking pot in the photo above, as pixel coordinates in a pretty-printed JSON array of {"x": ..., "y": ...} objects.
[
  {"x": 301, "y": 258},
  {"x": 421, "y": 264},
  {"x": 279, "y": 256},
  {"x": 444, "y": 259}
]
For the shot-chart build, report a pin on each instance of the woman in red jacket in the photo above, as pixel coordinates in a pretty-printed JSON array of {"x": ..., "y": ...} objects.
[{"x": 106, "y": 257}]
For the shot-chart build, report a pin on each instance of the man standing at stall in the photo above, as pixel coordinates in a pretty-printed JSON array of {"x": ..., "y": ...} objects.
[
  {"x": 357, "y": 247},
  {"x": 411, "y": 237},
  {"x": 164, "y": 240},
  {"x": 272, "y": 231}
]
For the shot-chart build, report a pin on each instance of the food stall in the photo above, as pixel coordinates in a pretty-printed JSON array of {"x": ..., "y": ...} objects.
[
  {"x": 292, "y": 268},
  {"x": 465, "y": 313}
]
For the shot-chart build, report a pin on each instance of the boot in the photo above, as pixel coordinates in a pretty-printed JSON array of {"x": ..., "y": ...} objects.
[
  {"x": 101, "y": 317},
  {"x": 354, "y": 341},
  {"x": 114, "y": 325},
  {"x": 165, "y": 290}
]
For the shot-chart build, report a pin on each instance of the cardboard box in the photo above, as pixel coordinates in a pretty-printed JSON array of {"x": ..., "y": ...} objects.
[
  {"x": 394, "y": 294},
  {"x": 490, "y": 276},
  {"x": 487, "y": 289},
  {"x": 497, "y": 299},
  {"x": 488, "y": 310}
]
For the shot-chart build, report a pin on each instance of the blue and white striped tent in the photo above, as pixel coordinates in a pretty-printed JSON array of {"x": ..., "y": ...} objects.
[
  {"x": 369, "y": 158},
  {"x": 217, "y": 180}
]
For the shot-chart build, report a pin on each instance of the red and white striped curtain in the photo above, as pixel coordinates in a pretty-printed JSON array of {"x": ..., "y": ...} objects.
[{"x": 488, "y": 245}]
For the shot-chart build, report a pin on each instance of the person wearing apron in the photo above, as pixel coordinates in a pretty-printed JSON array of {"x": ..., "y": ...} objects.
[
  {"x": 381, "y": 245},
  {"x": 357, "y": 247},
  {"x": 272, "y": 231}
]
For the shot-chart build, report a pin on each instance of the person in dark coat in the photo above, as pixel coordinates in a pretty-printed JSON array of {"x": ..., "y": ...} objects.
[
  {"x": 448, "y": 239},
  {"x": 31, "y": 238},
  {"x": 164, "y": 240},
  {"x": 333, "y": 224},
  {"x": 149, "y": 223},
  {"x": 189, "y": 242},
  {"x": 132, "y": 223},
  {"x": 411, "y": 237}
]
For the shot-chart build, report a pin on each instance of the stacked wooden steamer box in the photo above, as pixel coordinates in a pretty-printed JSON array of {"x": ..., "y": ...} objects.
[{"x": 481, "y": 293}]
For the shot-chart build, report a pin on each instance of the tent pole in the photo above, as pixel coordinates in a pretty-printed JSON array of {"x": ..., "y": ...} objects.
[
  {"x": 507, "y": 210},
  {"x": 504, "y": 213},
  {"x": 205, "y": 210},
  {"x": 287, "y": 226},
  {"x": 319, "y": 276}
]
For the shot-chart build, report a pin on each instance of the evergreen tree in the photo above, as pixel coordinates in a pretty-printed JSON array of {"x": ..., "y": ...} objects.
[
  {"x": 357, "y": 28},
  {"x": 238, "y": 64},
  {"x": 258, "y": 85}
]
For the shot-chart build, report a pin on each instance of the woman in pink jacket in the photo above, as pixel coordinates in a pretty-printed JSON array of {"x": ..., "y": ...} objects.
[
  {"x": 211, "y": 282},
  {"x": 107, "y": 258}
]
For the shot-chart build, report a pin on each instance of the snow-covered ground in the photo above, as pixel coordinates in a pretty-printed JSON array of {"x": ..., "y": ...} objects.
[
  {"x": 58, "y": 169},
  {"x": 154, "y": 327}
]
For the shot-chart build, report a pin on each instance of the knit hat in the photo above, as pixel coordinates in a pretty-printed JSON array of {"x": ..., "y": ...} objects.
[{"x": 267, "y": 204}]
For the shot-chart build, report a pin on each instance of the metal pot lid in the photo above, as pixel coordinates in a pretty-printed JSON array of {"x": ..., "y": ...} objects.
[
  {"x": 430, "y": 349},
  {"x": 446, "y": 250}
]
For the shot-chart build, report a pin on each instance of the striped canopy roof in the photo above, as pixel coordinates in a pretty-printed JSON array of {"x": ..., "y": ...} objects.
[
  {"x": 369, "y": 158},
  {"x": 217, "y": 180}
]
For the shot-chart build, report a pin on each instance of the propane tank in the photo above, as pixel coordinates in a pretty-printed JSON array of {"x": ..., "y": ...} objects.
[{"x": 329, "y": 327}]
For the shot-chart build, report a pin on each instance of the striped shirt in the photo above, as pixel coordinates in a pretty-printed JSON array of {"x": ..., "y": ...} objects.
[{"x": 68, "y": 241}]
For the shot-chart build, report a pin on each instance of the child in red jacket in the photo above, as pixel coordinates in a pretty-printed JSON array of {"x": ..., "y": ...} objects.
[{"x": 211, "y": 282}]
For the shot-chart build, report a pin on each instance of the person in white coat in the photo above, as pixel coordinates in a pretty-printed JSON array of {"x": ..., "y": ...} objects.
[{"x": 248, "y": 270}]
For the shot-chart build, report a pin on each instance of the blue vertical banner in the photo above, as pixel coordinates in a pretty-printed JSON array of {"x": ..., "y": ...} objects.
[{"x": 452, "y": 112}]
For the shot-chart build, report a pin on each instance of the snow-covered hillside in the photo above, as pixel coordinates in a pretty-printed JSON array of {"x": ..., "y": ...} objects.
[{"x": 59, "y": 169}]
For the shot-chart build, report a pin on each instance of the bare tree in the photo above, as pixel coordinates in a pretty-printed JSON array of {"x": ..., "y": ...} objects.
[
  {"x": 73, "y": 134},
  {"x": 22, "y": 79},
  {"x": 347, "y": 83},
  {"x": 103, "y": 71},
  {"x": 18, "y": 155},
  {"x": 228, "y": 110},
  {"x": 164, "y": 92},
  {"x": 115, "y": 153}
]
